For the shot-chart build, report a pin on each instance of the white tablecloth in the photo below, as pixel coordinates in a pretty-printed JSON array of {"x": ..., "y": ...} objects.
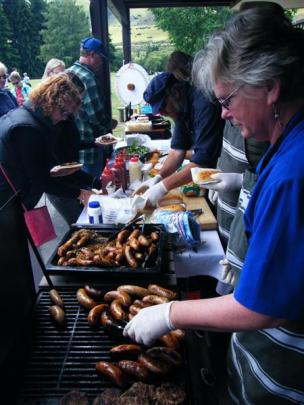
[{"x": 204, "y": 261}]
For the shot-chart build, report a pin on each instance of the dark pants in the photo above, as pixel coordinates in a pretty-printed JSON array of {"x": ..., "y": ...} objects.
[
  {"x": 68, "y": 208},
  {"x": 17, "y": 291}
]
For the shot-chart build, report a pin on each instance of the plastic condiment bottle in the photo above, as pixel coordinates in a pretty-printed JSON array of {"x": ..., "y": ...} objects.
[
  {"x": 117, "y": 175},
  {"x": 106, "y": 177},
  {"x": 94, "y": 212},
  {"x": 122, "y": 165},
  {"x": 134, "y": 169}
]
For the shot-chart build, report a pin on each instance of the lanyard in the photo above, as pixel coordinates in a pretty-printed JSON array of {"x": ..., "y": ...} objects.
[{"x": 293, "y": 122}]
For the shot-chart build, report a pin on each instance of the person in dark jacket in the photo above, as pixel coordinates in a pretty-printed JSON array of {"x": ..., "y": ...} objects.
[
  {"x": 7, "y": 100},
  {"x": 198, "y": 126},
  {"x": 26, "y": 144}
]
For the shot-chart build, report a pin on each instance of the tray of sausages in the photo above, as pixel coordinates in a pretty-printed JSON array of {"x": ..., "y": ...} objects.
[{"x": 137, "y": 250}]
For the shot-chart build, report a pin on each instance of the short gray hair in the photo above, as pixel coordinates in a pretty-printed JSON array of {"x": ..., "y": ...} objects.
[{"x": 255, "y": 48}]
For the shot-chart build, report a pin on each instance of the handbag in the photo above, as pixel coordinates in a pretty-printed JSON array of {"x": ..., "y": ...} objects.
[{"x": 38, "y": 220}]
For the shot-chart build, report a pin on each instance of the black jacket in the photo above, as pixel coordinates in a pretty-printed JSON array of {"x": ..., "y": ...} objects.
[{"x": 27, "y": 143}]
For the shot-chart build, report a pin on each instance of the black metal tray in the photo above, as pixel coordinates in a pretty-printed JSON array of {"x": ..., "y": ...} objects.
[{"x": 154, "y": 267}]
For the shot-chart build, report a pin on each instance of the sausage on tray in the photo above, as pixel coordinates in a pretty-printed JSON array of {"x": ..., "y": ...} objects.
[{"x": 130, "y": 257}]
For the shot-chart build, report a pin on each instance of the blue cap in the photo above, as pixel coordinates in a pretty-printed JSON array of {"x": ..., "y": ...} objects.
[
  {"x": 156, "y": 92},
  {"x": 94, "y": 204},
  {"x": 94, "y": 45}
]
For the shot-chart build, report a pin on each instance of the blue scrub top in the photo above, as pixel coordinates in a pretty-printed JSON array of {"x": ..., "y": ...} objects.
[
  {"x": 272, "y": 278},
  {"x": 200, "y": 128}
]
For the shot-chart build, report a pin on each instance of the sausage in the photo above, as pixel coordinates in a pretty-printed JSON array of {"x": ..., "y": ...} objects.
[
  {"x": 71, "y": 253},
  {"x": 106, "y": 318},
  {"x": 134, "y": 309},
  {"x": 152, "y": 249},
  {"x": 141, "y": 304},
  {"x": 92, "y": 292},
  {"x": 83, "y": 240},
  {"x": 117, "y": 311},
  {"x": 178, "y": 333},
  {"x": 170, "y": 341},
  {"x": 95, "y": 313},
  {"x": 125, "y": 351},
  {"x": 55, "y": 297},
  {"x": 122, "y": 236},
  {"x": 135, "y": 369},
  {"x": 161, "y": 291},
  {"x": 144, "y": 241},
  {"x": 118, "y": 245},
  {"x": 133, "y": 290},
  {"x": 134, "y": 243},
  {"x": 155, "y": 299},
  {"x": 154, "y": 236},
  {"x": 61, "y": 261},
  {"x": 63, "y": 248},
  {"x": 130, "y": 258},
  {"x": 122, "y": 296},
  {"x": 84, "y": 300},
  {"x": 77, "y": 261},
  {"x": 166, "y": 354},
  {"x": 113, "y": 372},
  {"x": 134, "y": 234},
  {"x": 154, "y": 365},
  {"x": 120, "y": 255},
  {"x": 58, "y": 316}
]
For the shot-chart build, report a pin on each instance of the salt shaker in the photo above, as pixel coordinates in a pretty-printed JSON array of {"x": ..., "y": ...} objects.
[{"x": 94, "y": 212}]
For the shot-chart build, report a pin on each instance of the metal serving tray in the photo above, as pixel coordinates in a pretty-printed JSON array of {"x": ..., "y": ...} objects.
[{"x": 153, "y": 267}]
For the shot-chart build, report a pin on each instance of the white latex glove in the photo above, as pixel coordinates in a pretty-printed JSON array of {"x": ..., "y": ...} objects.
[
  {"x": 155, "y": 193},
  {"x": 148, "y": 184},
  {"x": 149, "y": 324},
  {"x": 228, "y": 182},
  {"x": 229, "y": 275},
  {"x": 213, "y": 196}
]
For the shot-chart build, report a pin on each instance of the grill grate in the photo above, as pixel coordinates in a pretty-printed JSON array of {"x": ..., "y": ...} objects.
[{"x": 62, "y": 361}]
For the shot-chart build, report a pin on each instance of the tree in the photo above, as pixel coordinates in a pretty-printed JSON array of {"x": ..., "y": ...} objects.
[
  {"x": 190, "y": 28},
  {"x": 66, "y": 25},
  {"x": 8, "y": 55},
  {"x": 38, "y": 9}
]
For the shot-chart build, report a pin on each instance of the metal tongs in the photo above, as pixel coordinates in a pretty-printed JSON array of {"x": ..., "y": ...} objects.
[{"x": 128, "y": 225}]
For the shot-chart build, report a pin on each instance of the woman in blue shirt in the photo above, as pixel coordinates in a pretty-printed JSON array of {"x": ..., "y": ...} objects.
[{"x": 255, "y": 69}]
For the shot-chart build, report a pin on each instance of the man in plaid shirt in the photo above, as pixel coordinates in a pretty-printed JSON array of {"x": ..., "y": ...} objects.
[{"x": 91, "y": 120}]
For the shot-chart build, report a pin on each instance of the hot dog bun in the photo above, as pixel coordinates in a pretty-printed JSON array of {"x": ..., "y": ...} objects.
[{"x": 172, "y": 207}]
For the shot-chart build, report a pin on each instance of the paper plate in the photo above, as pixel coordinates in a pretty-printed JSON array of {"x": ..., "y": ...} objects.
[{"x": 202, "y": 176}]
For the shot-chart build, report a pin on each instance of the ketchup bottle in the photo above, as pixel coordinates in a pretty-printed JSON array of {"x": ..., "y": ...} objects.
[
  {"x": 117, "y": 175},
  {"x": 122, "y": 165},
  {"x": 106, "y": 177}
]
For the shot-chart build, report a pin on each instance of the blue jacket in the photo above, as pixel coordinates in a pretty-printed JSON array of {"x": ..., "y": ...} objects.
[{"x": 7, "y": 101}]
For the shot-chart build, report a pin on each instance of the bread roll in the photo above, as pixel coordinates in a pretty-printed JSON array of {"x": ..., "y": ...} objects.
[{"x": 173, "y": 207}]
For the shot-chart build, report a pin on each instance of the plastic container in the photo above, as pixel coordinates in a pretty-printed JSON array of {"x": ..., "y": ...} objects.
[
  {"x": 134, "y": 169},
  {"x": 94, "y": 212},
  {"x": 106, "y": 178}
]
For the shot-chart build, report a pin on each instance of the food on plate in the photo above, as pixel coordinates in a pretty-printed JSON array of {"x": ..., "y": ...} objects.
[
  {"x": 172, "y": 207},
  {"x": 154, "y": 172},
  {"x": 57, "y": 315},
  {"x": 203, "y": 176},
  {"x": 134, "y": 149},
  {"x": 191, "y": 190},
  {"x": 107, "y": 139}
]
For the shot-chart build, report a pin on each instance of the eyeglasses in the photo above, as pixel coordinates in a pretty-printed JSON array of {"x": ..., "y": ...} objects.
[
  {"x": 3, "y": 76},
  {"x": 225, "y": 103}
]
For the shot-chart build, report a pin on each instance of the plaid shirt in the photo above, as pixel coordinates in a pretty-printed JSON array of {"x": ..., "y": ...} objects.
[{"x": 90, "y": 120}]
